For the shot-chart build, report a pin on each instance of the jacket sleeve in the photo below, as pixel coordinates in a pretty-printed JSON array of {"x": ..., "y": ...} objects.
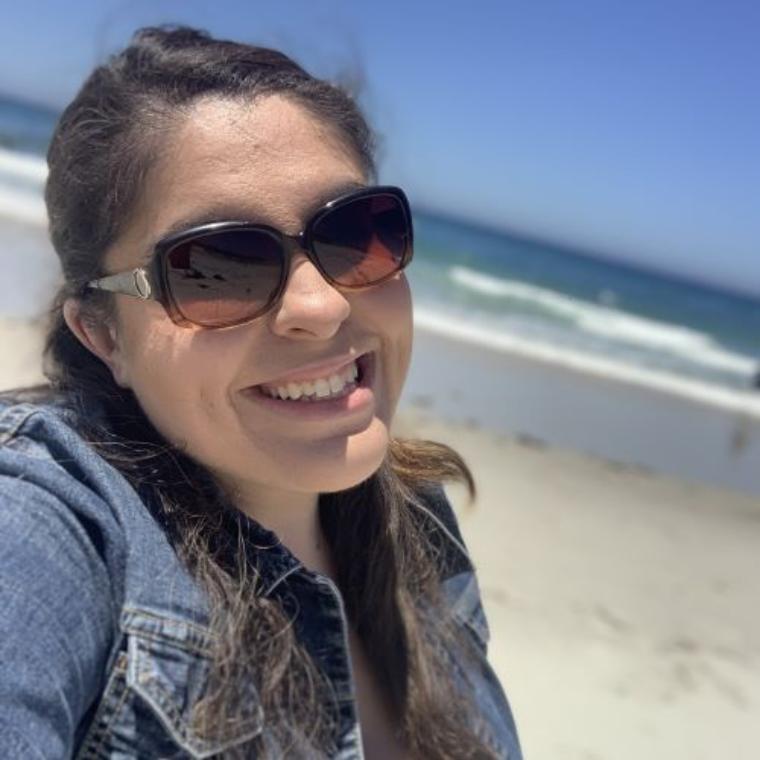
[
  {"x": 56, "y": 620},
  {"x": 463, "y": 596}
]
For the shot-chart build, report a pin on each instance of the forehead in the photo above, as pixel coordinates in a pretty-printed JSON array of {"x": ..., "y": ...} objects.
[{"x": 269, "y": 161}]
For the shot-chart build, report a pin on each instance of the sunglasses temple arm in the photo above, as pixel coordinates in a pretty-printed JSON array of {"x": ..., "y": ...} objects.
[{"x": 133, "y": 283}]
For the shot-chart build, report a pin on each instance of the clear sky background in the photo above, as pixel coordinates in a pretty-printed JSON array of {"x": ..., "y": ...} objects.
[{"x": 626, "y": 128}]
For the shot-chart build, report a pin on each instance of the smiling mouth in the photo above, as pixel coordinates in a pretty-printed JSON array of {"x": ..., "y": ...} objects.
[{"x": 321, "y": 392}]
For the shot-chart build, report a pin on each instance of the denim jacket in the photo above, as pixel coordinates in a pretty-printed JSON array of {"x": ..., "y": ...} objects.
[{"x": 104, "y": 640}]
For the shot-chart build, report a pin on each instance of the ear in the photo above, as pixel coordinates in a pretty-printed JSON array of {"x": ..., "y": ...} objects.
[{"x": 100, "y": 338}]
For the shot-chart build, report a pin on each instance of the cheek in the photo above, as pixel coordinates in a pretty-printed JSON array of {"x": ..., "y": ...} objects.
[
  {"x": 171, "y": 372},
  {"x": 401, "y": 308},
  {"x": 391, "y": 303},
  {"x": 387, "y": 312}
]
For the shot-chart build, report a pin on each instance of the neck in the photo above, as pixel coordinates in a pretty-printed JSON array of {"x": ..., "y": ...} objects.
[{"x": 294, "y": 518}]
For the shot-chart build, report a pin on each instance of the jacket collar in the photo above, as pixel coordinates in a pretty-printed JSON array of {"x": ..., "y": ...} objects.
[{"x": 268, "y": 556}]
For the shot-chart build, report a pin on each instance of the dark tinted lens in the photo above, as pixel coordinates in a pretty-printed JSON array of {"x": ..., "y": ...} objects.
[
  {"x": 363, "y": 240},
  {"x": 224, "y": 277}
]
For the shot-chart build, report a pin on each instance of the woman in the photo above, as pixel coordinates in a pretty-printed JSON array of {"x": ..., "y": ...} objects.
[{"x": 211, "y": 545}]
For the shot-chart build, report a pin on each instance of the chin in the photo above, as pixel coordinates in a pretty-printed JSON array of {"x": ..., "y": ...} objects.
[{"x": 351, "y": 465}]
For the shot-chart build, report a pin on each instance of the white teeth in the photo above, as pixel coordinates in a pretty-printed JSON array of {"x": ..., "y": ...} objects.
[
  {"x": 336, "y": 383},
  {"x": 320, "y": 388}
]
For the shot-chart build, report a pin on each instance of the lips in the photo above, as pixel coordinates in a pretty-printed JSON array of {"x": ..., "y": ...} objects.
[
  {"x": 358, "y": 402},
  {"x": 318, "y": 371}
]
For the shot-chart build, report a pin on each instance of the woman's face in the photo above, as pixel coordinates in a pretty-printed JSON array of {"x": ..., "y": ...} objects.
[{"x": 270, "y": 162}]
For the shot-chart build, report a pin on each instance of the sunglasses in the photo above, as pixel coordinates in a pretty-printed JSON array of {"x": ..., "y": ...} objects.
[{"x": 227, "y": 273}]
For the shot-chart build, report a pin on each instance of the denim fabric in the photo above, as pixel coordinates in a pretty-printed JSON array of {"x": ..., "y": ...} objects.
[{"x": 104, "y": 640}]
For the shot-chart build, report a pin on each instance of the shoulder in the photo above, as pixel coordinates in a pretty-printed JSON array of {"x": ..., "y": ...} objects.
[
  {"x": 459, "y": 580},
  {"x": 41, "y": 443},
  {"x": 87, "y": 568},
  {"x": 39, "y": 424},
  {"x": 60, "y": 545},
  {"x": 59, "y": 496},
  {"x": 55, "y": 485},
  {"x": 41, "y": 450},
  {"x": 443, "y": 526},
  {"x": 47, "y": 510},
  {"x": 54, "y": 489}
]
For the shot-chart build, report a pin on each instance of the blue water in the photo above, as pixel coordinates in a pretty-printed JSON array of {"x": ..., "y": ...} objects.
[
  {"x": 568, "y": 299},
  {"x": 25, "y": 127},
  {"x": 495, "y": 283}
]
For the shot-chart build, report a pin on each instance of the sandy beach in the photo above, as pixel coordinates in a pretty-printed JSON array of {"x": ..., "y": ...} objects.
[{"x": 623, "y": 604}]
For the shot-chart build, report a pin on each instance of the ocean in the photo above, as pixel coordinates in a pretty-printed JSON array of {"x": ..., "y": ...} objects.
[{"x": 492, "y": 283}]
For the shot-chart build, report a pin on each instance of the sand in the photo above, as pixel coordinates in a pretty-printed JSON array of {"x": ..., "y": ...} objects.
[{"x": 624, "y": 606}]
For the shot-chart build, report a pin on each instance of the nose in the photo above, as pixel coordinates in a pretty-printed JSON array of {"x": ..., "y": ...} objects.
[{"x": 310, "y": 306}]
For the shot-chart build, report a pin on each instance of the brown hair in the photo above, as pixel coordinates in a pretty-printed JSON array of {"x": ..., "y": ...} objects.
[{"x": 101, "y": 150}]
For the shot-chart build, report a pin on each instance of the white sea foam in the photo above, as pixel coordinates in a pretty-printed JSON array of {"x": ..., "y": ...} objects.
[
  {"x": 22, "y": 178},
  {"x": 20, "y": 206},
  {"x": 607, "y": 369},
  {"x": 611, "y": 323},
  {"x": 21, "y": 166}
]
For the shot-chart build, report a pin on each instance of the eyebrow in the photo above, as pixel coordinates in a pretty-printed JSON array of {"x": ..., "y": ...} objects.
[{"x": 227, "y": 213}]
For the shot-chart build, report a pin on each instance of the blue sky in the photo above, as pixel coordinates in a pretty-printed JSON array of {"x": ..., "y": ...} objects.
[{"x": 629, "y": 129}]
